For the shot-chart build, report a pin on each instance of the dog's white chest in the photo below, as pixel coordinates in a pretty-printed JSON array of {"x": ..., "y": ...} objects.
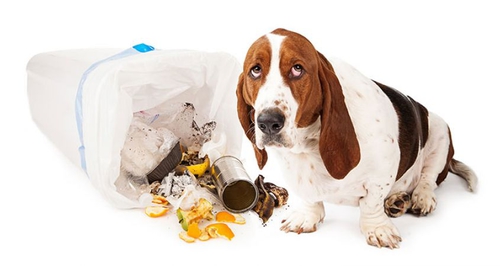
[{"x": 307, "y": 177}]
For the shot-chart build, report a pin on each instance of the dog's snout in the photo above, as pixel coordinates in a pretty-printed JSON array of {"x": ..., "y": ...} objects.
[{"x": 271, "y": 121}]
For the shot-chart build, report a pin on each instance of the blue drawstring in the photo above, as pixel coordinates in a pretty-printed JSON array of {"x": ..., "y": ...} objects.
[{"x": 136, "y": 49}]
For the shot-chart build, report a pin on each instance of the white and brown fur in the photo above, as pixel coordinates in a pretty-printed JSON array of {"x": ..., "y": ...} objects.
[{"x": 343, "y": 137}]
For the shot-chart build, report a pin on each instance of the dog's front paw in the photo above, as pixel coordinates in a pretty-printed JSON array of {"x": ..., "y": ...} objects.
[
  {"x": 423, "y": 201},
  {"x": 382, "y": 236},
  {"x": 304, "y": 220}
]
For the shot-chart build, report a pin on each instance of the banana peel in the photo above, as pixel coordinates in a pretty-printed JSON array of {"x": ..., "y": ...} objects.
[
  {"x": 270, "y": 197},
  {"x": 202, "y": 210}
]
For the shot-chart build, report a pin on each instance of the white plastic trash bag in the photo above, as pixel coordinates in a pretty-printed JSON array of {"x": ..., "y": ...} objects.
[{"x": 97, "y": 91}]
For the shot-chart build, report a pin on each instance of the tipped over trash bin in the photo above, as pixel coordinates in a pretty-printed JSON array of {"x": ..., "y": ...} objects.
[{"x": 91, "y": 103}]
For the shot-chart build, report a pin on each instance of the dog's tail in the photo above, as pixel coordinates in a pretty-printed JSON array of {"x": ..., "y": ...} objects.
[{"x": 465, "y": 172}]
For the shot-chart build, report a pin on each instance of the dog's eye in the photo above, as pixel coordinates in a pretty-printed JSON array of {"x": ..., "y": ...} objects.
[
  {"x": 255, "y": 72},
  {"x": 296, "y": 71}
]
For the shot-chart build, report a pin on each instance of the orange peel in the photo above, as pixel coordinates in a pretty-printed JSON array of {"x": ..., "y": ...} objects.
[
  {"x": 214, "y": 230},
  {"x": 155, "y": 211},
  {"x": 194, "y": 231},
  {"x": 226, "y": 217},
  {"x": 219, "y": 230},
  {"x": 204, "y": 236}
]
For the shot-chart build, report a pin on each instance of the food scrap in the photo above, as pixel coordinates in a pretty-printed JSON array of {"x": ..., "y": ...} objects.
[
  {"x": 156, "y": 211},
  {"x": 226, "y": 217},
  {"x": 192, "y": 162},
  {"x": 159, "y": 208},
  {"x": 184, "y": 236},
  {"x": 194, "y": 230},
  {"x": 203, "y": 210},
  {"x": 214, "y": 230},
  {"x": 157, "y": 199},
  {"x": 219, "y": 229},
  {"x": 270, "y": 197}
]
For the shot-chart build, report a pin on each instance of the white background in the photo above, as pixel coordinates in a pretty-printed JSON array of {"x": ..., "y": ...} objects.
[{"x": 444, "y": 54}]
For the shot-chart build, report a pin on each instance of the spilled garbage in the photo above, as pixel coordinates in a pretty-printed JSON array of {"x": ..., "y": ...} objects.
[{"x": 170, "y": 163}]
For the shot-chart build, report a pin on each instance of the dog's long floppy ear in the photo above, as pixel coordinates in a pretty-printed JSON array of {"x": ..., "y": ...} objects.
[
  {"x": 338, "y": 144},
  {"x": 245, "y": 114}
]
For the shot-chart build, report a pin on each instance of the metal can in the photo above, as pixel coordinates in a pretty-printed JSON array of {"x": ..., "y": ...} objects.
[{"x": 234, "y": 187}]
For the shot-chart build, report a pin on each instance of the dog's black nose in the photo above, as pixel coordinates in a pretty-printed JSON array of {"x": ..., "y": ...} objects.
[{"x": 271, "y": 121}]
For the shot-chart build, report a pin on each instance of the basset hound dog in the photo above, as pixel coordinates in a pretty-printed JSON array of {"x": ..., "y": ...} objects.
[{"x": 343, "y": 137}]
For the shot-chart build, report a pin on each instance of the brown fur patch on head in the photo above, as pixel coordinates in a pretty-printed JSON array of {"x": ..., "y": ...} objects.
[
  {"x": 297, "y": 50},
  {"x": 319, "y": 94},
  {"x": 259, "y": 54}
]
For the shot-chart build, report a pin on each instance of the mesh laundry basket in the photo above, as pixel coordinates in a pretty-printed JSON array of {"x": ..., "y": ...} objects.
[{"x": 84, "y": 100}]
